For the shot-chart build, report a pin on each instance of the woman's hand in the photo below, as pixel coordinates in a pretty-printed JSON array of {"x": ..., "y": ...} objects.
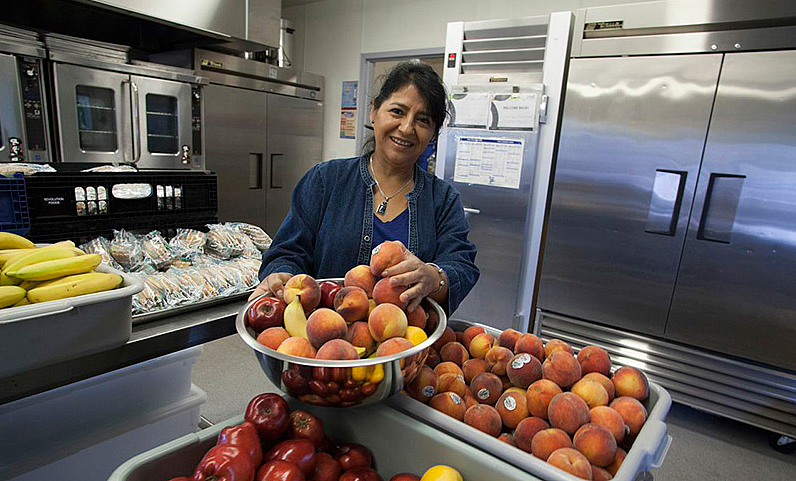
[
  {"x": 422, "y": 278},
  {"x": 272, "y": 284}
]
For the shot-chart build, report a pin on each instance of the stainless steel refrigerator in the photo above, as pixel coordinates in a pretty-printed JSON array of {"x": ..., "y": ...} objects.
[{"x": 670, "y": 239}]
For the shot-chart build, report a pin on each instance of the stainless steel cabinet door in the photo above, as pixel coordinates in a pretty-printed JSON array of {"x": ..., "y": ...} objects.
[
  {"x": 10, "y": 108},
  {"x": 736, "y": 290},
  {"x": 164, "y": 123},
  {"x": 235, "y": 134},
  {"x": 295, "y": 144},
  {"x": 94, "y": 115},
  {"x": 630, "y": 148}
]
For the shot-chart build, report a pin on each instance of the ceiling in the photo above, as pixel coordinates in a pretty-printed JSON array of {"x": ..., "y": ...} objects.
[{"x": 296, "y": 3}]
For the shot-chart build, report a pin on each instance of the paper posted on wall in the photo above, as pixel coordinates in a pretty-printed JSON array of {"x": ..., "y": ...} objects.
[
  {"x": 489, "y": 161},
  {"x": 470, "y": 109},
  {"x": 513, "y": 111}
]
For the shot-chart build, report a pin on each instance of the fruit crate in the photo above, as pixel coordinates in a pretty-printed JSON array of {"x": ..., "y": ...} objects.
[
  {"x": 648, "y": 450},
  {"x": 38, "y": 335},
  {"x": 399, "y": 444},
  {"x": 81, "y": 206},
  {"x": 14, "y": 215}
]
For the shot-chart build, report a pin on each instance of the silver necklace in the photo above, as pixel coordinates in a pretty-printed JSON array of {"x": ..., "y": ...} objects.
[{"x": 382, "y": 208}]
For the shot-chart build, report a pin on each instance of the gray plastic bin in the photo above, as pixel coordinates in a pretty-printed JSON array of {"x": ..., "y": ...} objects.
[
  {"x": 398, "y": 442},
  {"x": 38, "y": 335},
  {"x": 648, "y": 451}
]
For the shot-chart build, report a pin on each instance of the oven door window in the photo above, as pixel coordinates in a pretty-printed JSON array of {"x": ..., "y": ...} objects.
[
  {"x": 96, "y": 119},
  {"x": 161, "y": 124}
]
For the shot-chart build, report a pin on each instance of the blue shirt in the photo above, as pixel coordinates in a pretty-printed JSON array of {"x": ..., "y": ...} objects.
[
  {"x": 396, "y": 229},
  {"x": 329, "y": 227}
]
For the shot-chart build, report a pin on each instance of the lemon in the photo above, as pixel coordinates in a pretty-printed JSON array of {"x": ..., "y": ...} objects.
[
  {"x": 415, "y": 335},
  {"x": 441, "y": 473}
]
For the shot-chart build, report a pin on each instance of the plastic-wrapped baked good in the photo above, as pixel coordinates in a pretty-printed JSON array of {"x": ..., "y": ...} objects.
[
  {"x": 126, "y": 250},
  {"x": 261, "y": 240},
  {"x": 223, "y": 242},
  {"x": 152, "y": 298},
  {"x": 156, "y": 250},
  {"x": 187, "y": 241},
  {"x": 100, "y": 246}
]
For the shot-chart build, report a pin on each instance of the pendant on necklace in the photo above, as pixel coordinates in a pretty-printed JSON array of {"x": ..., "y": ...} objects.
[{"x": 382, "y": 208}]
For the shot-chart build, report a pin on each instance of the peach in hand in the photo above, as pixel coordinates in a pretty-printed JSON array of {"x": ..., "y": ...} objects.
[
  {"x": 449, "y": 403},
  {"x": 596, "y": 443},
  {"x": 523, "y": 370},
  {"x": 631, "y": 382},
  {"x": 512, "y": 408},
  {"x": 546, "y": 441},
  {"x": 484, "y": 418},
  {"x": 324, "y": 325},
  {"x": 337, "y": 349},
  {"x": 568, "y": 412},
  {"x": 571, "y": 461},
  {"x": 297, "y": 346},
  {"x": 562, "y": 368},
  {"x": 526, "y": 430},
  {"x": 592, "y": 392},
  {"x": 594, "y": 359},
  {"x": 387, "y": 321},
  {"x": 531, "y": 344},
  {"x": 273, "y": 337},
  {"x": 539, "y": 395},
  {"x": 351, "y": 303},
  {"x": 360, "y": 276},
  {"x": 386, "y": 293},
  {"x": 304, "y": 286},
  {"x": 386, "y": 255}
]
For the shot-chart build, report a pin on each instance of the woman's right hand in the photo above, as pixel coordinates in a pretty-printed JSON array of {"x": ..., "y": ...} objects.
[{"x": 272, "y": 284}]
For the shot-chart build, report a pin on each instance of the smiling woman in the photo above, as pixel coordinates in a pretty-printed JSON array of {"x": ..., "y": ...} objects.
[{"x": 343, "y": 208}]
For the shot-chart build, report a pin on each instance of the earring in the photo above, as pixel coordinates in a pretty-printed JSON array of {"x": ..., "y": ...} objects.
[{"x": 372, "y": 121}]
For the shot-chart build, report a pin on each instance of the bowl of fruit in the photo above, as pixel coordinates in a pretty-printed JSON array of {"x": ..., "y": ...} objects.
[{"x": 340, "y": 342}]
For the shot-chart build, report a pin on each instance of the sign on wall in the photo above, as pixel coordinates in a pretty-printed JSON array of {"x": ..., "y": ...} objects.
[{"x": 348, "y": 110}]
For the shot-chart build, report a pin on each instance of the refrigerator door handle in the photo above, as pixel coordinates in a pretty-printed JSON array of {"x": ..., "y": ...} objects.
[
  {"x": 276, "y": 175},
  {"x": 721, "y": 205},
  {"x": 470, "y": 210},
  {"x": 135, "y": 121},
  {"x": 255, "y": 170},
  {"x": 665, "y": 202}
]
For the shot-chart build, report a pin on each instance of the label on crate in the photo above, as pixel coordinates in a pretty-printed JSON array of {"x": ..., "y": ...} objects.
[{"x": 510, "y": 403}]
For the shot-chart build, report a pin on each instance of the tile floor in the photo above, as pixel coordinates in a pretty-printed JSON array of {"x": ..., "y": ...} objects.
[{"x": 705, "y": 447}]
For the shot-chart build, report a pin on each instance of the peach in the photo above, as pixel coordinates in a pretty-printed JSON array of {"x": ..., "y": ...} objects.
[
  {"x": 618, "y": 459},
  {"x": 487, "y": 388},
  {"x": 611, "y": 420},
  {"x": 469, "y": 334},
  {"x": 416, "y": 317},
  {"x": 568, "y": 412},
  {"x": 432, "y": 320},
  {"x": 460, "y": 337},
  {"x": 629, "y": 381},
  {"x": 386, "y": 293},
  {"x": 359, "y": 336},
  {"x": 449, "y": 403},
  {"x": 360, "y": 276},
  {"x": 596, "y": 443},
  {"x": 484, "y": 418},
  {"x": 512, "y": 408},
  {"x": 432, "y": 359},
  {"x": 273, "y": 337},
  {"x": 523, "y": 370},
  {"x": 508, "y": 439},
  {"x": 386, "y": 255},
  {"x": 393, "y": 346},
  {"x": 531, "y": 344},
  {"x": 306, "y": 288},
  {"x": 472, "y": 368},
  {"x": 447, "y": 336},
  {"x": 539, "y": 395},
  {"x": 508, "y": 338},
  {"x": 324, "y": 325},
  {"x": 337, "y": 349},
  {"x": 592, "y": 392},
  {"x": 447, "y": 366},
  {"x": 450, "y": 382},
  {"x": 604, "y": 382},
  {"x": 454, "y": 352},
  {"x": 468, "y": 391},
  {"x": 470, "y": 401},
  {"x": 351, "y": 303},
  {"x": 424, "y": 386},
  {"x": 498, "y": 359},
  {"x": 297, "y": 346},
  {"x": 526, "y": 430},
  {"x": 594, "y": 359},
  {"x": 562, "y": 368},
  {"x": 632, "y": 411},
  {"x": 548, "y": 440},
  {"x": 554, "y": 345},
  {"x": 571, "y": 461},
  {"x": 600, "y": 474},
  {"x": 480, "y": 345},
  {"x": 387, "y": 321},
  {"x": 506, "y": 383}
]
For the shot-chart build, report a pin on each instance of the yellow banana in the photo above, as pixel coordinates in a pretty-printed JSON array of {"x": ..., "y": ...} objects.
[
  {"x": 31, "y": 258},
  {"x": 77, "y": 285},
  {"x": 9, "y": 255},
  {"x": 295, "y": 319},
  {"x": 23, "y": 302},
  {"x": 13, "y": 241},
  {"x": 6, "y": 254},
  {"x": 44, "y": 271},
  {"x": 28, "y": 285},
  {"x": 10, "y": 295},
  {"x": 61, "y": 280}
]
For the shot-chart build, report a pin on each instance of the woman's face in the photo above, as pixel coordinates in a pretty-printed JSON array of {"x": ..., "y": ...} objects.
[{"x": 402, "y": 127}]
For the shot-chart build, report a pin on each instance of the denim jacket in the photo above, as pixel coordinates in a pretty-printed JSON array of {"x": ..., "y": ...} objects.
[{"x": 330, "y": 225}]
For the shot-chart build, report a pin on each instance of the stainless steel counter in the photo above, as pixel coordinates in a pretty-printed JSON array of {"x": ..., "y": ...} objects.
[{"x": 148, "y": 341}]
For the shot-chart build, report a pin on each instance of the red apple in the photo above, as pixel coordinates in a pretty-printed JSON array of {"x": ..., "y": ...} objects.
[
  {"x": 278, "y": 470},
  {"x": 266, "y": 312},
  {"x": 361, "y": 474},
  {"x": 405, "y": 477},
  {"x": 269, "y": 413},
  {"x": 298, "y": 451},
  {"x": 303, "y": 425},
  {"x": 326, "y": 468},
  {"x": 328, "y": 291},
  {"x": 352, "y": 456}
]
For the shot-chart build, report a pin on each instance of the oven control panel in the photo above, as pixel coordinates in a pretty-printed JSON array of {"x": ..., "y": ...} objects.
[{"x": 30, "y": 76}]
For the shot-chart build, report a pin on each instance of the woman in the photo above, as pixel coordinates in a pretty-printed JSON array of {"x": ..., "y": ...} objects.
[{"x": 343, "y": 208}]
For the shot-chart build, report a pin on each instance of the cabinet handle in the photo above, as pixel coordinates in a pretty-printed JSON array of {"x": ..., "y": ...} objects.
[
  {"x": 276, "y": 174},
  {"x": 255, "y": 171},
  {"x": 665, "y": 202},
  {"x": 721, "y": 205},
  {"x": 470, "y": 210},
  {"x": 136, "y": 120}
]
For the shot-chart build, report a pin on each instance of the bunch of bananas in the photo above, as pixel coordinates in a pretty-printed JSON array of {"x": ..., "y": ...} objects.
[{"x": 30, "y": 274}]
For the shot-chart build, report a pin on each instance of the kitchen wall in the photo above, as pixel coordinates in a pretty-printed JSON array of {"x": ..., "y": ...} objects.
[{"x": 331, "y": 36}]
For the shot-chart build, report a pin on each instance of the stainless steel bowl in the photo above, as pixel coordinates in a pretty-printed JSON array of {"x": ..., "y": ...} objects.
[{"x": 341, "y": 383}]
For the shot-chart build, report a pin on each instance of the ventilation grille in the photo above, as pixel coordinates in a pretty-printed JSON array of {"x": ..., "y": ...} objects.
[{"x": 516, "y": 48}]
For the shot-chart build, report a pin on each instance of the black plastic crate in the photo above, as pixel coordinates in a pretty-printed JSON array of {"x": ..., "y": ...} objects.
[
  {"x": 14, "y": 215},
  {"x": 81, "y": 206}
]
